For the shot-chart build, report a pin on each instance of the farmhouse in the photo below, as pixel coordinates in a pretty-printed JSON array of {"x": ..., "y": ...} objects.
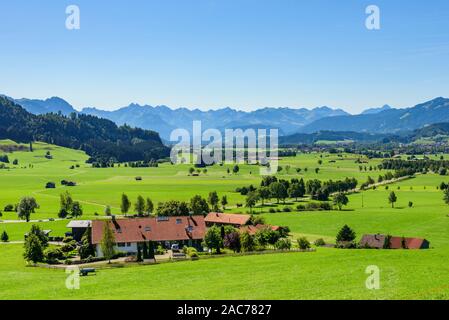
[
  {"x": 252, "y": 230},
  {"x": 380, "y": 241},
  {"x": 165, "y": 231},
  {"x": 222, "y": 219},
  {"x": 79, "y": 228}
]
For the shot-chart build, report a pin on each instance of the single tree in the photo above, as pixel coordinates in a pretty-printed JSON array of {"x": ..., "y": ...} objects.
[
  {"x": 125, "y": 204},
  {"x": 26, "y": 207},
  {"x": 43, "y": 238},
  {"x": 251, "y": 200},
  {"x": 66, "y": 202},
  {"x": 139, "y": 206},
  {"x": 86, "y": 249},
  {"x": 224, "y": 202},
  {"x": 236, "y": 169},
  {"x": 108, "y": 211},
  {"x": 149, "y": 207},
  {"x": 199, "y": 206},
  {"x": 446, "y": 196},
  {"x": 107, "y": 242},
  {"x": 346, "y": 234},
  {"x": 303, "y": 243},
  {"x": 34, "y": 251},
  {"x": 232, "y": 241},
  {"x": 340, "y": 199},
  {"x": 191, "y": 171},
  {"x": 247, "y": 242},
  {"x": 77, "y": 209},
  {"x": 4, "y": 237},
  {"x": 213, "y": 239},
  {"x": 392, "y": 198},
  {"x": 410, "y": 204},
  {"x": 213, "y": 200}
]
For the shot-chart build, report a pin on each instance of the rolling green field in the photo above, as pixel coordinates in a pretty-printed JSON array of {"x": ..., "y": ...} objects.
[{"x": 325, "y": 274}]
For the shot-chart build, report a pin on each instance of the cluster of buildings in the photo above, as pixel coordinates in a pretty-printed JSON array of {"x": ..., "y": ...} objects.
[{"x": 165, "y": 231}]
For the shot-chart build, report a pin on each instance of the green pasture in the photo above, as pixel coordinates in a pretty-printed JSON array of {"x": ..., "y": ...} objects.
[{"x": 325, "y": 274}]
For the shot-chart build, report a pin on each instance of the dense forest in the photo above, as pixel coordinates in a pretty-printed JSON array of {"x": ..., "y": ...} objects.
[{"x": 101, "y": 139}]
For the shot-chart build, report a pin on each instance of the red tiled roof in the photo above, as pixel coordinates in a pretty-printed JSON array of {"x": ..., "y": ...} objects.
[
  {"x": 151, "y": 229},
  {"x": 410, "y": 243},
  {"x": 378, "y": 241},
  {"x": 227, "y": 218}
]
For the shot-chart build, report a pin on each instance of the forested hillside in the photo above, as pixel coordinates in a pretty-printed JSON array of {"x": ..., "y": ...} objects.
[{"x": 102, "y": 139}]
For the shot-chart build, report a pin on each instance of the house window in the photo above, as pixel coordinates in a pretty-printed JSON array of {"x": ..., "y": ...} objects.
[
  {"x": 178, "y": 221},
  {"x": 128, "y": 244},
  {"x": 147, "y": 229},
  {"x": 121, "y": 245}
]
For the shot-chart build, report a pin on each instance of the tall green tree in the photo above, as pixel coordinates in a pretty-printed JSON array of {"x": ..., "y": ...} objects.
[
  {"x": 213, "y": 239},
  {"x": 224, "y": 202},
  {"x": 107, "y": 242},
  {"x": 43, "y": 238},
  {"x": 77, "y": 209},
  {"x": 199, "y": 205},
  {"x": 247, "y": 242},
  {"x": 149, "y": 207},
  {"x": 446, "y": 196},
  {"x": 214, "y": 200},
  {"x": 346, "y": 234},
  {"x": 340, "y": 199},
  {"x": 125, "y": 204},
  {"x": 34, "y": 251},
  {"x": 251, "y": 200},
  {"x": 66, "y": 202},
  {"x": 26, "y": 207},
  {"x": 139, "y": 206},
  {"x": 392, "y": 198},
  {"x": 296, "y": 190},
  {"x": 86, "y": 249}
]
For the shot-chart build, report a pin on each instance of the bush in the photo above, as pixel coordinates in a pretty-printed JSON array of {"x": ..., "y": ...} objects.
[
  {"x": 67, "y": 239},
  {"x": 9, "y": 208},
  {"x": 283, "y": 244},
  {"x": 301, "y": 207},
  {"x": 4, "y": 237},
  {"x": 53, "y": 254},
  {"x": 69, "y": 246},
  {"x": 287, "y": 209},
  {"x": 303, "y": 243},
  {"x": 160, "y": 250},
  {"x": 272, "y": 210},
  {"x": 50, "y": 185},
  {"x": 319, "y": 242}
]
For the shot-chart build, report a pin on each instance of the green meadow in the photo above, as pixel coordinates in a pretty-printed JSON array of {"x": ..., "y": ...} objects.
[{"x": 327, "y": 273}]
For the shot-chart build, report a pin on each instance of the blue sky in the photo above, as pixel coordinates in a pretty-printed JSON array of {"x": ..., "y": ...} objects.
[{"x": 239, "y": 53}]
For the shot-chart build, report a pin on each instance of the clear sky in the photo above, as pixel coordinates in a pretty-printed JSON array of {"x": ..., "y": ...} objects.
[{"x": 217, "y": 53}]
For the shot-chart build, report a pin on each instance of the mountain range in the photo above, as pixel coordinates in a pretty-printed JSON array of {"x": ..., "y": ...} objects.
[{"x": 289, "y": 121}]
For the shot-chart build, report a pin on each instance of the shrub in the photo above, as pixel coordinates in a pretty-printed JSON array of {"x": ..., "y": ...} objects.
[
  {"x": 9, "y": 208},
  {"x": 53, "y": 254},
  {"x": 301, "y": 207},
  {"x": 160, "y": 250},
  {"x": 67, "y": 239},
  {"x": 303, "y": 243},
  {"x": 283, "y": 244},
  {"x": 319, "y": 242},
  {"x": 4, "y": 237},
  {"x": 50, "y": 185},
  {"x": 287, "y": 209},
  {"x": 69, "y": 246},
  {"x": 272, "y": 210}
]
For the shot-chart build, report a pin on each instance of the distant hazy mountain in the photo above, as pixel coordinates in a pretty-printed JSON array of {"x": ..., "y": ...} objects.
[
  {"x": 387, "y": 121},
  {"x": 377, "y": 110},
  {"x": 163, "y": 119},
  {"x": 51, "y": 105}
]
